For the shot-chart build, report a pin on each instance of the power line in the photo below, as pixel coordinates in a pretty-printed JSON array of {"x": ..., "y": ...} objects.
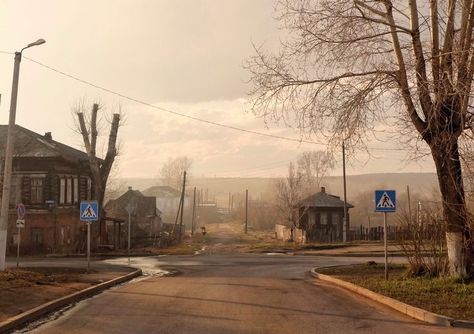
[
  {"x": 136, "y": 100},
  {"x": 168, "y": 110}
]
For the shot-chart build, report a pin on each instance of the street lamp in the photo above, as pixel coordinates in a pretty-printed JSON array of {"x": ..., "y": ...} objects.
[{"x": 9, "y": 155}]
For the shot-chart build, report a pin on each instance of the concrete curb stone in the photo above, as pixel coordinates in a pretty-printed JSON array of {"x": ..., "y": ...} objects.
[
  {"x": 39, "y": 311},
  {"x": 414, "y": 312}
]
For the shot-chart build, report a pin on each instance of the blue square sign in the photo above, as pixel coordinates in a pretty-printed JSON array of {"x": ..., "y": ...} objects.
[
  {"x": 385, "y": 201},
  {"x": 89, "y": 211}
]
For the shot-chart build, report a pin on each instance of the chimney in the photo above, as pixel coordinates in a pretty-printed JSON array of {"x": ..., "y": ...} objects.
[
  {"x": 48, "y": 136},
  {"x": 323, "y": 189}
]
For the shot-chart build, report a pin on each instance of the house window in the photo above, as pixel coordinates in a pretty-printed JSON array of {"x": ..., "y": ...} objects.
[
  {"x": 62, "y": 191},
  {"x": 76, "y": 190},
  {"x": 37, "y": 190},
  {"x": 311, "y": 218},
  {"x": 37, "y": 236},
  {"x": 336, "y": 218},
  {"x": 15, "y": 190},
  {"x": 68, "y": 190},
  {"x": 324, "y": 218}
]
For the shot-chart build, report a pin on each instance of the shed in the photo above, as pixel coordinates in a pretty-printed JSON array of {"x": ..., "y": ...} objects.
[{"x": 321, "y": 217}]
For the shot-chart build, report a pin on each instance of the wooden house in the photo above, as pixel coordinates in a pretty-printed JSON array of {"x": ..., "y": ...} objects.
[
  {"x": 321, "y": 216},
  {"x": 50, "y": 179},
  {"x": 145, "y": 218},
  {"x": 168, "y": 199}
]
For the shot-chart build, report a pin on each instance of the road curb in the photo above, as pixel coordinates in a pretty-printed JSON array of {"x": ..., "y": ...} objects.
[
  {"x": 39, "y": 311},
  {"x": 414, "y": 312}
]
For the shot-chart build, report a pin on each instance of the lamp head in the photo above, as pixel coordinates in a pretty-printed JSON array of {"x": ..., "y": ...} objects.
[{"x": 38, "y": 42}]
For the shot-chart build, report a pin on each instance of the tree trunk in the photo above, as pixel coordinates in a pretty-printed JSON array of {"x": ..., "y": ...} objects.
[{"x": 445, "y": 152}]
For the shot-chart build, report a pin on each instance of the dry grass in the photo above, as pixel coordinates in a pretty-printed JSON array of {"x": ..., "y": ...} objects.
[
  {"x": 24, "y": 277},
  {"x": 444, "y": 296}
]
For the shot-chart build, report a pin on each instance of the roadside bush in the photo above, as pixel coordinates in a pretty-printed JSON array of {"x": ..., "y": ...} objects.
[{"x": 424, "y": 244}]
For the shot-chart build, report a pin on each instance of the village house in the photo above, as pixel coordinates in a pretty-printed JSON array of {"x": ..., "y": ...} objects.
[
  {"x": 50, "y": 179},
  {"x": 322, "y": 216},
  {"x": 145, "y": 219},
  {"x": 167, "y": 199}
]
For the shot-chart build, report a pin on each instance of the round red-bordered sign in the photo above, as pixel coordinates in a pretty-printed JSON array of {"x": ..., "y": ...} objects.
[{"x": 20, "y": 210}]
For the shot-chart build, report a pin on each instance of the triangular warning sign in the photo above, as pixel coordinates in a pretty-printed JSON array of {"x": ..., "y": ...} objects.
[
  {"x": 89, "y": 212},
  {"x": 385, "y": 201}
]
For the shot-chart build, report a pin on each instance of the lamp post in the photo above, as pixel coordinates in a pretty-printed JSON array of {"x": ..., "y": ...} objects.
[{"x": 9, "y": 155}]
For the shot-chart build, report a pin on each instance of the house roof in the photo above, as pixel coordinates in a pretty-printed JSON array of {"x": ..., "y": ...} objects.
[
  {"x": 323, "y": 200},
  {"x": 30, "y": 144},
  {"x": 142, "y": 205},
  {"x": 162, "y": 191}
]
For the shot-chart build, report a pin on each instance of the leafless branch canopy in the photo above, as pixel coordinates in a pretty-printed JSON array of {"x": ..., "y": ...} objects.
[{"x": 348, "y": 65}]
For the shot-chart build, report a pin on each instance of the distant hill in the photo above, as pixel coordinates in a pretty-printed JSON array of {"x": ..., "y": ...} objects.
[{"x": 218, "y": 188}]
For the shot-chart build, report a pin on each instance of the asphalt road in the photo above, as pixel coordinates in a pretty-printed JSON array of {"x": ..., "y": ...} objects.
[{"x": 233, "y": 294}]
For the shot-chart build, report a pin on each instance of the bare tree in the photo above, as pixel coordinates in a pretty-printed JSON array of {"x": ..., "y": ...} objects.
[
  {"x": 173, "y": 170},
  {"x": 100, "y": 167},
  {"x": 351, "y": 65},
  {"x": 289, "y": 194},
  {"x": 314, "y": 166}
]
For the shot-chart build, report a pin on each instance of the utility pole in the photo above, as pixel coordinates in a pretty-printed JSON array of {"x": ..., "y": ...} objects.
[
  {"x": 194, "y": 212},
  {"x": 182, "y": 207},
  {"x": 7, "y": 172},
  {"x": 409, "y": 205},
  {"x": 345, "y": 227},
  {"x": 419, "y": 214},
  {"x": 246, "y": 210},
  {"x": 129, "y": 208}
]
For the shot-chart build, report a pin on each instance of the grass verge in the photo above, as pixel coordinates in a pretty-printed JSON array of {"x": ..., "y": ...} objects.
[{"x": 445, "y": 296}]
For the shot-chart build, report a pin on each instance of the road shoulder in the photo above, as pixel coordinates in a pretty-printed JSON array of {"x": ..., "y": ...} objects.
[{"x": 53, "y": 305}]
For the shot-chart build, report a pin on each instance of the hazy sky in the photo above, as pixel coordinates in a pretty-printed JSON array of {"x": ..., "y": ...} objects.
[{"x": 183, "y": 55}]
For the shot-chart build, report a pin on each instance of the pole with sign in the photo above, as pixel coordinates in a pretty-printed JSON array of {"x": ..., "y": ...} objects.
[
  {"x": 89, "y": 212},
  {"x": 20, "y": 223},
  {"x": 129, "y": 208},
  {"x": 385, "y": 201}
]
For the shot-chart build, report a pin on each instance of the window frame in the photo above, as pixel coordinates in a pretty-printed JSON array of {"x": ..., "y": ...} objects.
[
  {"x": 37, "y": 191},
  {"x": 323, "y": 222}
]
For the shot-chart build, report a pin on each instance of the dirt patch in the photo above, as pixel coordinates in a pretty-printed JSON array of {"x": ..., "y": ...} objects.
[
  {"x": 229, "y": 238},
  {"x": 26, "y": 288}
]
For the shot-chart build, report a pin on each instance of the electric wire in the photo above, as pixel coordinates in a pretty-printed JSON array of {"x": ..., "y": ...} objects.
[
  {"x": 150, "y": 105},
  {"x": 136, "y": 100}
]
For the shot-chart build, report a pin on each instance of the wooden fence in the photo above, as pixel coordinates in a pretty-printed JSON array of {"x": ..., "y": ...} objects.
[{"x": 394, "y": 232}]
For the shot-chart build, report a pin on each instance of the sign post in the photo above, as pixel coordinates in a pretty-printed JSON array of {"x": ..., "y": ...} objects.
[
  {"x": 385, "y": 201},
  {"x": 20, "y": 223},
  {"x": 89, "y": 212},
  {"x": 129, "y": 208}
]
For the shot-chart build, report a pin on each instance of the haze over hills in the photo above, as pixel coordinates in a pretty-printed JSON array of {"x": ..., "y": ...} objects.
[{"x": 218, "y": 188}]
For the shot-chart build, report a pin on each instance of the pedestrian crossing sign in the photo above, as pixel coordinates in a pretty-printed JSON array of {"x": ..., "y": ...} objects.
[
  {"x": 385, "y": 201},
  {"x": 89, "y": 211}
]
